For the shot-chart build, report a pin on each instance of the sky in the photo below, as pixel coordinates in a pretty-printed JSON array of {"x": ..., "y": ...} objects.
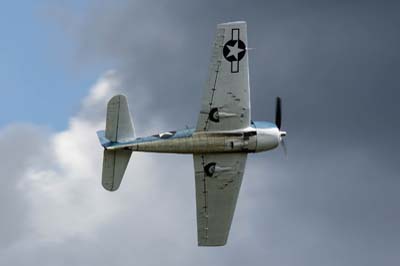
[{"x": 332, "y": 201}]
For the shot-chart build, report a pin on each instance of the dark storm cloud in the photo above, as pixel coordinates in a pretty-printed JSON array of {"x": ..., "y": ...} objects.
[
  {"x": 336, "y": 66},
  {"x": 334, "y": 201},
  {"x": 332, "y": 63}
]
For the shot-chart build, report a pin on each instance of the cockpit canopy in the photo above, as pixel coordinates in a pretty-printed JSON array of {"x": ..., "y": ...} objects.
[{"x": 165, "y": 135}]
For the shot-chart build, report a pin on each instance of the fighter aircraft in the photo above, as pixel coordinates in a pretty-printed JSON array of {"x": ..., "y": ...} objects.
[{"x": 223, "y": 137}]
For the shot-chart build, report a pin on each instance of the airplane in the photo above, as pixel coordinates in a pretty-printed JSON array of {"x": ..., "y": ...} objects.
[{"x": 223, "y": 137}]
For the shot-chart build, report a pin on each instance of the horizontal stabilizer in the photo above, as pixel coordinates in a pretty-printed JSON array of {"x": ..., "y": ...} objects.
[
  {"x": 114, "y": 166},
  {"x": 119, "y": 127}
]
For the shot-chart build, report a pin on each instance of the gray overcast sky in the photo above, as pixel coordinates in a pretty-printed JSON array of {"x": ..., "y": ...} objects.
[{"x": 334, "y": 201}]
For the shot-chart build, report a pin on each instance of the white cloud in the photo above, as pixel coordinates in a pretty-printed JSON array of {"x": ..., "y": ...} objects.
[
  {"x": 66, "y": 203},
  {"x": 65, "y": 194}
]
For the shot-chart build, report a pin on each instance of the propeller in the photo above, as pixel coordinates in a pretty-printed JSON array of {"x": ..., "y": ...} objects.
[
  {"x": 284, "y": 147},
  {"x": 278, "y": 113},
  {"x": 278, "y": 122}
]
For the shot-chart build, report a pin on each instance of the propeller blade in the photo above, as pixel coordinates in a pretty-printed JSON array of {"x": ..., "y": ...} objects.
[
  {"x": 284, "y": 147},
  {"x": 278, "y": 113}
]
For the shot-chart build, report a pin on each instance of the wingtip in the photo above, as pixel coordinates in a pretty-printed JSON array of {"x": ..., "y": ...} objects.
[
  {"x": 232, "y": 23},
  {"x": 119, "y": 96},
  {"x": 110, "y": 187},
  {"x": 211, "y": 244}
]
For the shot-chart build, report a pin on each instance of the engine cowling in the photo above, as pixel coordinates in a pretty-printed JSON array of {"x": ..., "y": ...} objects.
[{"x": 268, "y": 136}]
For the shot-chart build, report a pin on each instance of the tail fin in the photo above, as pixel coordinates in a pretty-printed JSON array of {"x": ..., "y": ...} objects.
[{"x": 119, "y": 128}]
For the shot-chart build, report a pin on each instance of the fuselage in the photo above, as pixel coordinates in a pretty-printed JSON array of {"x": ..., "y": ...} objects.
[{"x": 260, "y": 136}]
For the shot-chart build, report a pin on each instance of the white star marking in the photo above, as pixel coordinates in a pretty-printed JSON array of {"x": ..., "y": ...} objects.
[{"x": 234, "y": 50}]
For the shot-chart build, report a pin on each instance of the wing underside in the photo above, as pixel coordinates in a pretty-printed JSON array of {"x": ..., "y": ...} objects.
[
  {"x": 226, "y": 98},
  {"x": 218, "y": 178}
]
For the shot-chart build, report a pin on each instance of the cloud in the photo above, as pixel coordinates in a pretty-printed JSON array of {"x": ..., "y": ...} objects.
[
  {"x": 57, "y": 198},
  {"x": 65, "y": 217},
  {"x": 62, "y": 189},
  {"x": 60, "y": 200},
  {"x": 54, "y": 189},
  {"x": 20, "y": 144},
  {"x": 334, "y": 201}
]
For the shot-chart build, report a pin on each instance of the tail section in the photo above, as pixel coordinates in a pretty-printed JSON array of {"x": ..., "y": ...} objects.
[
  {"x": 101, "y": 134},
  {"x": 119, "y": 128}
]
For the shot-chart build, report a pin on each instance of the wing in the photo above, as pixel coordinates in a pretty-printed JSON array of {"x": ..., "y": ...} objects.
[
  {"x": 218, "y": 178},
  {"x": 226, "y": 100}
]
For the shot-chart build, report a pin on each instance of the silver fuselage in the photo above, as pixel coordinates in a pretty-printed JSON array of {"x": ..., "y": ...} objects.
[{"x": 260, "y": 136}]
